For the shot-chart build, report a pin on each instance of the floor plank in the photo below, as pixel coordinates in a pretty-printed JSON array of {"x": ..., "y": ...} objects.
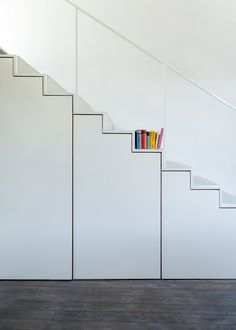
[{"x": 148, "y": 304}]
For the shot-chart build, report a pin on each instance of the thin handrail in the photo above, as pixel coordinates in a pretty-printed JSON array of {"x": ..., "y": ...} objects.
[{"x": 147, "y": 53}]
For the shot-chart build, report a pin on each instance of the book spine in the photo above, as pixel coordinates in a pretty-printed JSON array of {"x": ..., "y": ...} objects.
[
  {"x": 139, "y": 139},
  {"x": 160, "y": 139},
  {"x": 151, "y": 134},
  {"x": 144, "y": 139},
  {"x": 136, "y": 139},
  {"x": 152, "y": 139},
  {"x": 156, "y": 139},
  {"x": 148, "y": 140}
]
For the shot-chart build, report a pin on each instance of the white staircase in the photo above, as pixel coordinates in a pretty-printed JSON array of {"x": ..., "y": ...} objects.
[
  {"x": 196, "y": 182},
  {"x": 159, "y": 219}
]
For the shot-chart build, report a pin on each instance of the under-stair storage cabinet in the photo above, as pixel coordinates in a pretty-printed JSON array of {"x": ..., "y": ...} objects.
[
  {"x": 35, "y": 179},
  {"x": 116, "y": 205},
  {"x": 199, "y": 237}
]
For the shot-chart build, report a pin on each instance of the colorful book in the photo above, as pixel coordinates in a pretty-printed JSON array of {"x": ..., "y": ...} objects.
[
  {"x": 153, "y": 139},
  {"x": 139, "y": 139},
  {"x": 144, "y": 139},
  {"x": 160, "y": 139},
  {"x": 156, "y": 142},
  {"x": 136, "y": 139},
  {"x": 148, "y": 141}
]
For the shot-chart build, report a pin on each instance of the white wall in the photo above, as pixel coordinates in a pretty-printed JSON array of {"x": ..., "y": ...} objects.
[
  {"x": 200, "y": 132},
  {"x": 43, "y": 33},
  {"x": 195, "y": 37},
  {"x": 114, "y": 77}
]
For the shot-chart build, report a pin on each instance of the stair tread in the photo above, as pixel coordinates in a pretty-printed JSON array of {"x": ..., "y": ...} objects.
[
  {"x": 201, "y": 182},
  {"x": 2, "y": 51},
  {"x": 171, "y": 165},
  {"x": 147, "y": 150},
  {"x": 52, "y": 87},
  {"x": 24, "y": 68},
  {"x": 228, "y": 199}
]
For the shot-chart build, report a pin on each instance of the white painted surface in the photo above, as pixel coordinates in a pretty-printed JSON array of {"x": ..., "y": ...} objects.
[
  {"x": 117, "y": 205},
  {"x": 35, "y": 176},
  {"x": 199, "y": 129},
  {"x": 159, "y": 26},
  {"x": 197, "y": 124},
  {"x": 42, "y": 32},
  {"x": 195, "y": 37},
  {"x": 198, "y": 237},
  {"x": 109, "y": 69},
  {"x": 114, "y": 77},
  {"x": 183, "y": 34}
]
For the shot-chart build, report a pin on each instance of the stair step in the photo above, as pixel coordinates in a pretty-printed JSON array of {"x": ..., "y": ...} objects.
[
  {"x": 174, "y": 166},
  {"x": 51, "y": 87},
  {"x": 147, "y": 150},
  {"x": 22, "y": 68},
  {"x": 2, "y": 51},
  {"x": 107, "y": 123},
  {"x": 81, "y": 106},
  {"x": 227, "y": 200},
  {"x": 199, "y": 182}
]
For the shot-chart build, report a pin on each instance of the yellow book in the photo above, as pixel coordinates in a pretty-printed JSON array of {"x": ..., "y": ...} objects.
[{"x": 152, "y": 139}]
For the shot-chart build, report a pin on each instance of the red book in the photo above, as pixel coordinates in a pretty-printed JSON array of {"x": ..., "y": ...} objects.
[
  {"x": 144, "y": 139},
  {"x": 160, "y": 138}
]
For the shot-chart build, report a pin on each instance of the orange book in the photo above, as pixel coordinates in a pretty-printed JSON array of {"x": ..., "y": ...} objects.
[{"x": 144, "y": 139}]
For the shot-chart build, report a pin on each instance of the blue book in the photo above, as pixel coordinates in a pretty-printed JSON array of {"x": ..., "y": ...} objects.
[
  {"x": 136, "y": 139},
  {"x": 139, "y": 139},
  {"x": 148, "y": 141}
]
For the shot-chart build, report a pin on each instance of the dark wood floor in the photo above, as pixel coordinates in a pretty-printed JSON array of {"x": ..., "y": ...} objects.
[{"x": 174, "y": 305}]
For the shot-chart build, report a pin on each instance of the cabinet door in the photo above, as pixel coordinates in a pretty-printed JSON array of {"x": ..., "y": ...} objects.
[
  {"x": 198, "y": 236},
  {"x": 35, "y": 180},
  {"x": 117, "y": 205}
]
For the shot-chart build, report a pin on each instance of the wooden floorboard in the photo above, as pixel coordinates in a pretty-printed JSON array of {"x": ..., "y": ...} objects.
[{"x": 148, "y": 304}]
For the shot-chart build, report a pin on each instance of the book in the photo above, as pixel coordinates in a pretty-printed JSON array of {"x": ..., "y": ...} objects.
[
  {"x": 156, "y": 142},
  {"x": 160, "y": 139},
  {"x": 144, "y": 138},
  {"x": 138, "y": 139},
  {"x": 153, "y": 139},
  {"x": 148, "y": 140}
]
